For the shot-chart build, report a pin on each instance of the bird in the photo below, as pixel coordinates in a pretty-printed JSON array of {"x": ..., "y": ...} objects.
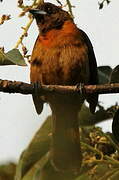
[{"x": 62, "y": 55}]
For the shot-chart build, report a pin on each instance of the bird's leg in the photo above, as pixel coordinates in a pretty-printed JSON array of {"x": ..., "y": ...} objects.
[
  {"x": 36, "y": 87},
  {"x": 37, "y": 97},
  {"x": 80, "y": 87}
]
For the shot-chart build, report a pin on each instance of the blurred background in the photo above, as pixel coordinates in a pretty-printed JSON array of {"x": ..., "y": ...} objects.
[{"x": 18, "y": 118}]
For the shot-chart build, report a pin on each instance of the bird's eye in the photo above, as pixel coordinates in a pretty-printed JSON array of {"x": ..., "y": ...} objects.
[{"x": 49, "y": 10}]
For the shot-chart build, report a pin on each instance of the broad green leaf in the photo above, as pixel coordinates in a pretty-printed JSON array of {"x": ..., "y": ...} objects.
[
  {"x": 49, "y": 173},
  {"x": 86, "y": 118},
  {"x": 7, "y": 171},
  {"x": 12, "y": 57},
  {"x": 115, "y": 126},
  {"x": 38, "y": 147},
  {"x": 34, "y": 172},
  {"x": 105, "y": 69},
  {"x": 4, "y": 60},
  {"x": 114, "y": 77},
  {"x": 35, "y": 162},
  {"x": 104, "y": 74}
]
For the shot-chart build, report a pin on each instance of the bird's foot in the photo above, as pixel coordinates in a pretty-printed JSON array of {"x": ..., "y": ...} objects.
[
  {"x": 80, "y": 87},
  {"x": 37, "y": 87}
]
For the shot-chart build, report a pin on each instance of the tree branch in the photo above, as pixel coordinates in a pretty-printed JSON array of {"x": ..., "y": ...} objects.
[{"x": 25, "y": 88}]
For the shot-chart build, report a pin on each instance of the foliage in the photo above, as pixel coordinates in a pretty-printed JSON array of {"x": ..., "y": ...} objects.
[
  {"x": 7, "y": 171},
  {"x": 101, "y": 4},
  {"x": 12, "y": 57},
  {"x": 100, "y": 156},
  {"x": 100, "y": 150}
]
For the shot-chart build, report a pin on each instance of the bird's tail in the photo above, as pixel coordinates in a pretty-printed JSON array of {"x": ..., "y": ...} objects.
[{"x": 65, "y": 149}]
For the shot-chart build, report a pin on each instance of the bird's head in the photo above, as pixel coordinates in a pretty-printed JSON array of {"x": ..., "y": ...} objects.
[{"x": 49, "y": 16}]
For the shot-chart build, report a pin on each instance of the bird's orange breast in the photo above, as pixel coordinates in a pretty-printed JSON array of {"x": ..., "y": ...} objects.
[
  {"x": 58, "y": 37},
  {"x": 60, "y": 57}
]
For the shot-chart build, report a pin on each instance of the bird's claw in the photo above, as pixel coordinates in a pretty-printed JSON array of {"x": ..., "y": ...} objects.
[
  {"x": 36, "y": 87},
  {"x": 80, "y": 87}
]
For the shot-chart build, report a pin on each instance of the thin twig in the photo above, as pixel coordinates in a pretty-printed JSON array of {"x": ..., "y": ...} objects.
[
  {"x": 91, "y": 148},
  {"x": 40, "y": 1},
  {"x": 59, "y": 2},
  {"x": 101, "y": 4},
  {"x": 70, "y": 7},
  {"x": 24, "y": 33},
  {"x": 111, "y": 141},
  {"x": 27, "y": 25}
]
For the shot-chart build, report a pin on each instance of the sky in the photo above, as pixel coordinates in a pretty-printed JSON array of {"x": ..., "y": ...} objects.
[{"x": 19, "y": 121}]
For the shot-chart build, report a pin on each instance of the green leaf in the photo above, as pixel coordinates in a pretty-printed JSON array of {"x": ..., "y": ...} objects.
[
  {"x": 114, "y": 77},
  {"x": 34, "y": 163},
  {"x": 38, "y": 147},
  {"x": 12, "y": 57},
  {"x": 105, "y": 69},
  {"x": 104, "y": 74},
  {"x": 7, "y": 171},
  {"x": 108, "y": 1},
  {"x": 35, "y": 170},
  {"x": 49, "y": 173},
  {"x": 86, "y": 118},
  {"x": 100, "y": 5},
  {"x": 115, "y": 126}
]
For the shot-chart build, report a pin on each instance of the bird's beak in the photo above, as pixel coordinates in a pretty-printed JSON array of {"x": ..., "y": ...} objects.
[{"x": 37, "y": 11}]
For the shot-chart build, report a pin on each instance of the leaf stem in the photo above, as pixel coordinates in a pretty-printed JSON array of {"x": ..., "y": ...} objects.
[
  {"x": 24, "y": 33},
  {"x": 27, "y": 25},
  {"x": 70, "y": 7}
]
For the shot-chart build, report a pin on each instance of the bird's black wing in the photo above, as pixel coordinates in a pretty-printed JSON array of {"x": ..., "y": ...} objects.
[{"x": 93, "y": 98}]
